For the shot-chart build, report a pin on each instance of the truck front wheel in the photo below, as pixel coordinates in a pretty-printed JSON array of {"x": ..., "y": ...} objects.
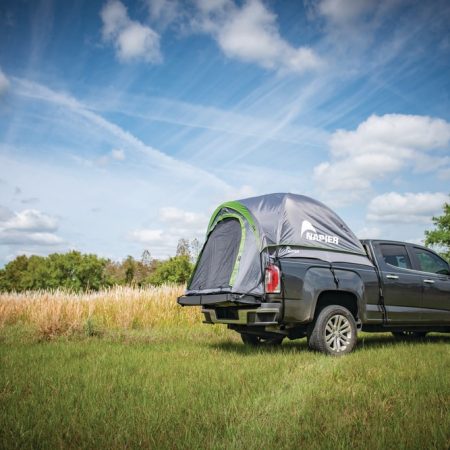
[{"x": 334, "y": 331}]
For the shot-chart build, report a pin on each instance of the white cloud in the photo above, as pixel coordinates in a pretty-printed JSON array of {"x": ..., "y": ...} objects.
[
  {"x": 30, "y": 220},
  {"x": 115, "y": 17},
  {"x": 29, "y": 200},
  {"x": 118, "y": 154},
  {"x": 102, "y": 161},
  {"x": 163, "y": 12},
  {"x": 406, "y": 208},
  {"x": 405, "y": 133},
  {"x": 444, "y": 174},
  {"x": 347, "y": 20},
  {"x": 4, "y": 82},
  {"x": 379, "y": 147},
  {"x": 369, "y": 233},
  {"x": 33, "y": 238},
  {"x": 250, "y": 33},
  {"x": 132, "y": 40},
  {"x": 28, "y": 227},
  {"x": 146, "y": 235},
  {"x": 345, "y": 11},
  {"x": 177, "y": 224},
  {"x": 5, "y": 213},
  {"x": 185, "y": 218}
]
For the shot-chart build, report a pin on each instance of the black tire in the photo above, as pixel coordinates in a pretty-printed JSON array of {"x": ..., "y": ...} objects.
[
  {"x": 409, "y": 334},
  {"x": 333, "y": 332},
  {"x": 254, "y": 340}
]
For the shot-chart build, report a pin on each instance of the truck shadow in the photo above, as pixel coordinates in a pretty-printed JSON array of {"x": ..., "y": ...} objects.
[
  {"x": 364, "y": 342},
  {"x": 384, "y": 340},
  {"x": 240, "y": 348}
]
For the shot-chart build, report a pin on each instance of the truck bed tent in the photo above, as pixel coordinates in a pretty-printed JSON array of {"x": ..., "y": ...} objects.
[{"x": 242, "y": 236}]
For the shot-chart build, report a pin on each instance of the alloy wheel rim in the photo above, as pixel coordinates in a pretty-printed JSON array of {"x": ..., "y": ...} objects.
[{"x": 338, "y": 333}]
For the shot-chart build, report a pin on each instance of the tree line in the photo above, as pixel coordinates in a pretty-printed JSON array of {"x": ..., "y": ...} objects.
[
  {"x": 76, "y": 271},
  {"x": 80, "y": 272}
]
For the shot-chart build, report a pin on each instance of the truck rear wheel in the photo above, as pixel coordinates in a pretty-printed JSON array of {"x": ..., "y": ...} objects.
[
  {"x": 334, "y": 331},
  {"x": 254, "y": 340}
]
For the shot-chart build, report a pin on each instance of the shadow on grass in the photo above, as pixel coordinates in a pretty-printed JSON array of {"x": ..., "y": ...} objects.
[
  {"x": 300, "y": 345},
  {"x": 240, "y": 348},
  {"x": 384, "y": 340}
]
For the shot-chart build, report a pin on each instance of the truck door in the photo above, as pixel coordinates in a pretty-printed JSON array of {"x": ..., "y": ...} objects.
[
  {"x": 402, "y": 286},
  {"x": 435, "y": 277}
]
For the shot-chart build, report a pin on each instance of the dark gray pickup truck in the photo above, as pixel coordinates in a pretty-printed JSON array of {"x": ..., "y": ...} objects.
[{"x": 286, "y": 266}]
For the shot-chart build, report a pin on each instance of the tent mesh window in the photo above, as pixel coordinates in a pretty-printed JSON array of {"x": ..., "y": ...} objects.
[{"x": 218, "y": 257}]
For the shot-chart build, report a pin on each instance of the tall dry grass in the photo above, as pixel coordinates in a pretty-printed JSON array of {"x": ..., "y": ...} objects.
[{"x": 59, "y": 313}]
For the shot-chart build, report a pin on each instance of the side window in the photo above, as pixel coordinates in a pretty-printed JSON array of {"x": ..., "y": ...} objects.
[
  {"x": 429, "y": 262},
  {"x": 395, "y": 255}
]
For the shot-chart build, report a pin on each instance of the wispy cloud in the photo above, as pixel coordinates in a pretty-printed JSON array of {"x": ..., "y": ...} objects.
[
  {"x": 4, "y": 83},
  {"x": 178, "y": 168},
  {"x": 118, "y": 154}
]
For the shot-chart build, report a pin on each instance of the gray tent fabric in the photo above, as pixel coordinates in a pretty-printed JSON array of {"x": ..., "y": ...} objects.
[
  {"x": 271, "y": 226},
  {"x": 289, "y": 219},
  {"x": 218, "y": 257}
]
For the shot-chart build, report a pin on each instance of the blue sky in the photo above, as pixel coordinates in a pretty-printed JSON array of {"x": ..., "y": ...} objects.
[{"x": 124, "y": 124}]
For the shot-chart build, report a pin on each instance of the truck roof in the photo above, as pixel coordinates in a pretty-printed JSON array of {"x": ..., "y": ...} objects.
[{"x": 389, "y": 241}]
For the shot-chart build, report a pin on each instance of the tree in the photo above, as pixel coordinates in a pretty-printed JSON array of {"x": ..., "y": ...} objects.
[
  {"x": 146, "y": 258},
  {"x": 183, "y": 248},
  {"x": 195, "y": 249},
  {"x": 177, "y": 269},
  {"x": 11, "y": 277},
  {"x": 72, "y": 270},
  {"x": 130, "y": 266},
  {"x": 130, "y": 271},
  {"x": 440, "y": 236}
]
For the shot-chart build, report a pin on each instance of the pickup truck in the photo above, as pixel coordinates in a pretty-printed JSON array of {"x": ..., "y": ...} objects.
[{"x": 309, "y": 276}]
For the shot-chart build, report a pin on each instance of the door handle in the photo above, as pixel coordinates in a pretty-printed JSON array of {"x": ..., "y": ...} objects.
[
  {"x": 428, "y": 281},
  {"x": 392, "y": 277}
]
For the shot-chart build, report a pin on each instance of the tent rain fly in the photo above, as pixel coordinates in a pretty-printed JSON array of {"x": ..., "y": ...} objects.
[{"x": 242, "y": 236}]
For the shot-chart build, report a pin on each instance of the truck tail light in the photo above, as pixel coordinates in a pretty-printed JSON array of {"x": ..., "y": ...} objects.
[{"x": 272, "y": 280}]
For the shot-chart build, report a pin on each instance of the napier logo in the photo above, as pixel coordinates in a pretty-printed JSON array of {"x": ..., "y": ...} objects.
[{"x": 310, "y": 233}]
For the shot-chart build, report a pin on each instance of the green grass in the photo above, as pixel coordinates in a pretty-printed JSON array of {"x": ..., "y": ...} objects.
[{"x": 199, "y": 387}]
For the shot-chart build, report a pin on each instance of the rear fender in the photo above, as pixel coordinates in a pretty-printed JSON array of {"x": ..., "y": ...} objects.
[{"x": 303, "y": 292}]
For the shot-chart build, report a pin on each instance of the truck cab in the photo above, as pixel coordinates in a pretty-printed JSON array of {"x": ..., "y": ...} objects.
[{"x": 415, "y": 282}]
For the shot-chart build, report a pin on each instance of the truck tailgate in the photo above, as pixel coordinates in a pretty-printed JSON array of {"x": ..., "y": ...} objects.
[{"x": 214, "y": 299}]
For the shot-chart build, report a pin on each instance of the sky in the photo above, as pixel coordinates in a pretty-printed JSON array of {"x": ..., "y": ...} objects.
[{"x": 123, "y": 125}]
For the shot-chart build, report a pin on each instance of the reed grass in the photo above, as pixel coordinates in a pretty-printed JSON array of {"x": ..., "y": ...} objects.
[{"x": 62, "y": 313}]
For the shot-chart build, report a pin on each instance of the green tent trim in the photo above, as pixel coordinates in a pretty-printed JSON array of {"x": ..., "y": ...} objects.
[
  {"x": 242, "y": 212},
  {"x": 238, "y": 207}
]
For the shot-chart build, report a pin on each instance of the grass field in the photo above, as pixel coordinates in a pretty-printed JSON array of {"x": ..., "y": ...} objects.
[{"x": 118, "y": 370}]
